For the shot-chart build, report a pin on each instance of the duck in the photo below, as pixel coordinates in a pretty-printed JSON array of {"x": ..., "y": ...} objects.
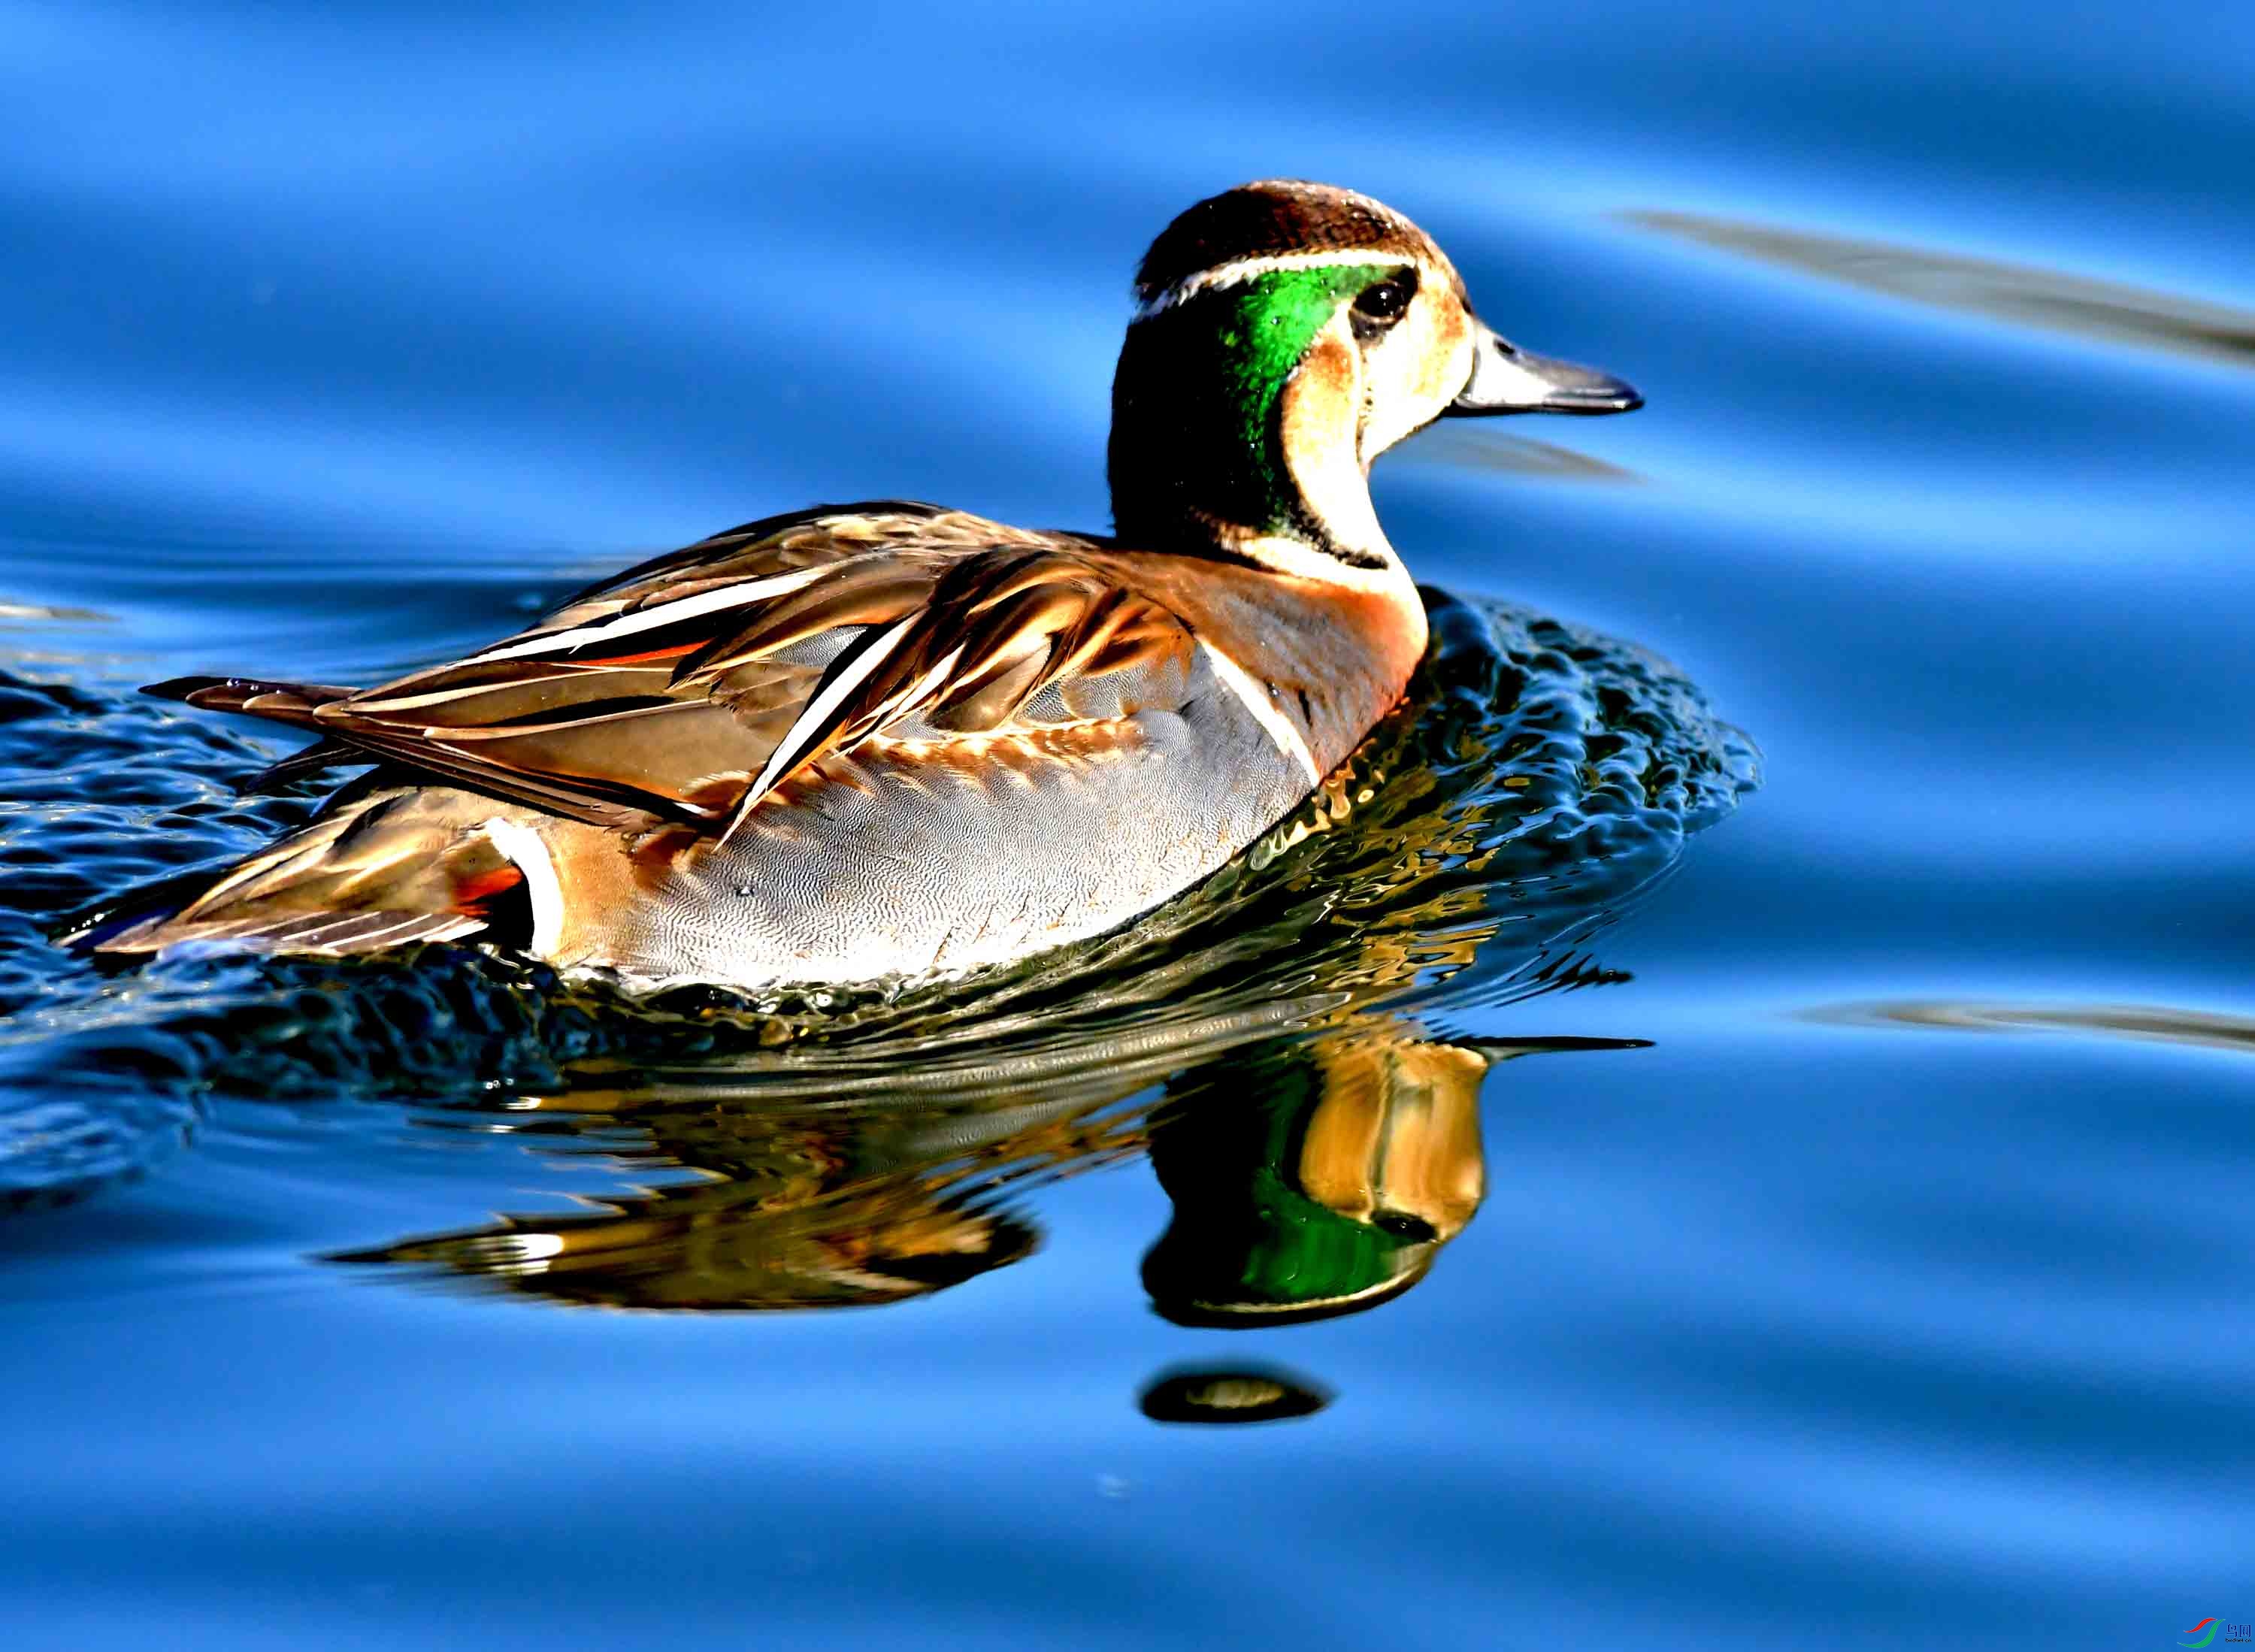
[{"x": 889, "y": 741}]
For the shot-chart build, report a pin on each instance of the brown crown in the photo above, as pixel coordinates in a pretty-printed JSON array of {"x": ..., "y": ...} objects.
[{"x": 1277, "y": 215}]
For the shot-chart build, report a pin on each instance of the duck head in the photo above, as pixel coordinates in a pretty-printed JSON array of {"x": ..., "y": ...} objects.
[{"x": 1286, "y": 335}]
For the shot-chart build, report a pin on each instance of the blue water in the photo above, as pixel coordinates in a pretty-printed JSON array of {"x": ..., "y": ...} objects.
[{"x": 1867, "y": 1238}]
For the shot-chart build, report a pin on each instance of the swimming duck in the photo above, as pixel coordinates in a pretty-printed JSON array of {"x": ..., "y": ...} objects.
[{"x": 882, "y": 740}]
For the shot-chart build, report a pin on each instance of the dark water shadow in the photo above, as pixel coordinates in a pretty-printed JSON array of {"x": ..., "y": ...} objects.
[
  {"x": 2155, "y": 1023},
  {"x": 1232, "y": 1394},
  {"x": 1274, "y": 1042},
  {"x": 2023, "y": 294}
]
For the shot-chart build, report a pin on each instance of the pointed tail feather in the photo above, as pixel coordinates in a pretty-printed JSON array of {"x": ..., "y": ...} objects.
[
  {"x": 94, "y": 930},
  {"x": 323, "y": 934},
  {"x": 292, "y": 703},
  {"x": 385, "y": 868}
]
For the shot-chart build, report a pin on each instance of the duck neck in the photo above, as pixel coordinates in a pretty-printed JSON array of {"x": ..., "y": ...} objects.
[{"x": 1237, "y": 417}]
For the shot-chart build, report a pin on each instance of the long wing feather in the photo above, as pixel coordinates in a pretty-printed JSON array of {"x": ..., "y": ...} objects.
[{"x": 692, "y": 687}]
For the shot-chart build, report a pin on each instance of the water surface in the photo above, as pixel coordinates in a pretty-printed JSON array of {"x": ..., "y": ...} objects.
[{"x": 1829, "y": 1221}]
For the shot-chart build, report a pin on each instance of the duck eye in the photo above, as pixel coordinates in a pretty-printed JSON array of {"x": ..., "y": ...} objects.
[{"x": 1385, "y": 300}]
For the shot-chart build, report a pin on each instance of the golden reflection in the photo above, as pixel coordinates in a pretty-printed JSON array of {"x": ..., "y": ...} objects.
[
  {"x": 1314, "y": 1171},
  {"x": 1319, "y": 1178},
  {"x": 2047, "y": 298},
  {"x": 810, "y": 1204}
]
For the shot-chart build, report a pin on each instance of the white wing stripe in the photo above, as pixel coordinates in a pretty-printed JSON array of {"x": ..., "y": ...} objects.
[
  {"x": 687, "y": 607},
  {"x": 791, "y": 747},
  {"x": 1266, "y": 712},
  {"x": 931, "y": 681}
]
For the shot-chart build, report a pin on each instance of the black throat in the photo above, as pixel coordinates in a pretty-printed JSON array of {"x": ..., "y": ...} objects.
[{"x": 1196, "y": 456}]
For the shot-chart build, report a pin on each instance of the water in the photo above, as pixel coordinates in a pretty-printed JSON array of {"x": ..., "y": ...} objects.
[{"x": 1868, "y": 1204}]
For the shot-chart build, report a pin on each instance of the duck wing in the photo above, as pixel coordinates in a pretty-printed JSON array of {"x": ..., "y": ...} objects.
[{"x": 690, "y": 688}]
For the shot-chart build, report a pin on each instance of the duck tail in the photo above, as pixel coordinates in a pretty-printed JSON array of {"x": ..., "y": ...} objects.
[
  {"x": 292, "y": 703},
  {"x": 375, "y": 871}
]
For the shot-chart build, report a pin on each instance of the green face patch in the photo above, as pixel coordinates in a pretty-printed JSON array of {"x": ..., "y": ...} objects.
[
  {"x": 1275, "y": 318},
  {"x": 1195, "y": 404}
]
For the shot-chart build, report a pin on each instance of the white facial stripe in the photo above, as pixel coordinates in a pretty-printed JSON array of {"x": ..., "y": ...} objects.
[
  {"x": 523, "y": 849},
  {"x": 687, "y": 607},
  {"x": 1265, "y": 710},
  {"x": 1230, "y": 275}
]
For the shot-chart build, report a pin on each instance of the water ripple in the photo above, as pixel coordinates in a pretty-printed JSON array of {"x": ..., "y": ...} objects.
[{"x": 2050, "y": 299}]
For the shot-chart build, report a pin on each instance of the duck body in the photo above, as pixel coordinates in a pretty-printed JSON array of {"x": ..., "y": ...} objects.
[
  {"x": 887, "y": 740},
  {"x": 921, "y": 852}
]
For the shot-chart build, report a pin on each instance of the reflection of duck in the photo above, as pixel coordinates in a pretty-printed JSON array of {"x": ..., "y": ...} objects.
[
  {"x": 1312, "y": 1174},
  {"x": 879, "y": 741},
  {"x": 821, "y": 1208},
  {"x": 1316, "y": 1179}
]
